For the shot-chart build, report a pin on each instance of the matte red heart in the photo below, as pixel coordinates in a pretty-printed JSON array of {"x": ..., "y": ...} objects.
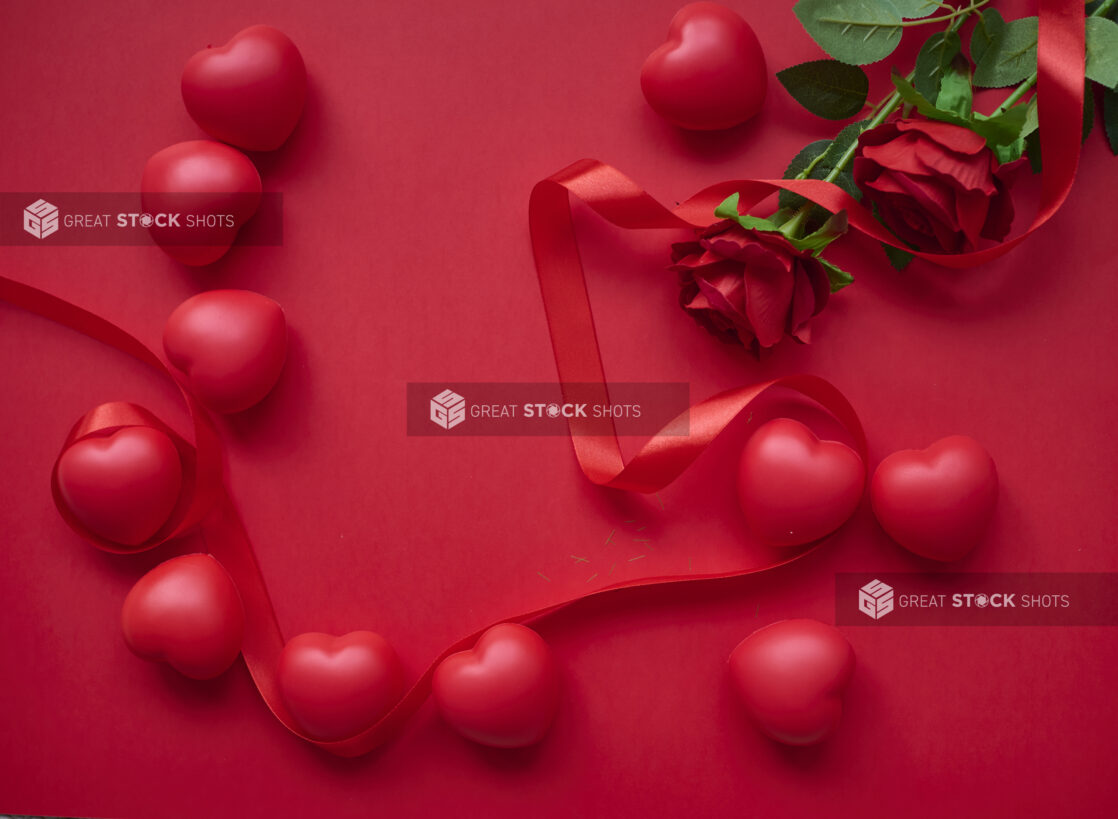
[
  {"x": 336, "y": 687},
  {"x": 248, "y": 92},
  {"x": 185, "y": 612},
  {"x": 793, "y": 487},
  {"x": 231, "y": 344},
  {"x": 710, "y": 73},
  {"x": 123, "y": 486},
  {"x": 791, "y": 676},
  {"x": 936, "y": 502},
  {"x": 214, "y": 185},
  {"x": 503, "y": 692}
]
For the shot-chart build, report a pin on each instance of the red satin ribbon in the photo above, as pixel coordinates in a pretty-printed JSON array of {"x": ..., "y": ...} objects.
[
  {"x": 578, "y": 359},
  {"x": 206, "y": 500}
]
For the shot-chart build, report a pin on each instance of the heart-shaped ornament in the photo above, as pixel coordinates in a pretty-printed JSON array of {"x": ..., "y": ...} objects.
[
  {"x": 185, "y": 612},
  {"x": 248, "y": 92},
  {"x": 936, "y": 502},
  {"x": 231, "y": 344},
  {"x": 791, "y": 676},
  {"x": 503, "y": 692},
  {"x": 122, "y": 486},
  {"x": 793, "y": 487},
  {"x": 336, "y": 687},
  {"x": 197, "y": 195},
  {"x": 710, "y": 73}
]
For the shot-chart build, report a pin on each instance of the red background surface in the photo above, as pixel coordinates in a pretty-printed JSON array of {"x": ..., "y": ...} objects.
[{"x": 406, "y": 258}]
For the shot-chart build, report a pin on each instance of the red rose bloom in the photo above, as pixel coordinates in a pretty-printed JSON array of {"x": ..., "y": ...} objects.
[
  {"x": 937, "y": 186},
  {"x": 749, "y": 286}
]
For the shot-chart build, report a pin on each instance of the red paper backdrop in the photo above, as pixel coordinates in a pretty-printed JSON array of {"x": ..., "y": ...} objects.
[{"x": 406, "y": 258}]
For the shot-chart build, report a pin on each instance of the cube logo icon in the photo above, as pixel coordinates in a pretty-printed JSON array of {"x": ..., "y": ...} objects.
[
  {"x": 875, "y": 599},
  {"x": 40, "y": 219},
  {"x": 448, "y": 409}
]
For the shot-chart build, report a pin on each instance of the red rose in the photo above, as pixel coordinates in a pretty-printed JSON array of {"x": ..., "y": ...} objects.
[
  {"x": 937, "y": 186},
  {"x": 749, "y": 286}
]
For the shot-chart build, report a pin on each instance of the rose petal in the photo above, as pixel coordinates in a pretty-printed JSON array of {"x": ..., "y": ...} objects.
[
  {"x": 907, "y": 222},
  {"x": 898, "y": 155},
  {"x": 966, "y": 171},
  {"x": 932, "y": 195},
  {"x": 726, "y": 294},
  {"x": 971, "y": 208},
  {"x": 768, "y": 295},
  {"x": 820, "y": 284},
  {"x": 953, "y": 137},
  {"x": 803, "y": 300},
  {"x": 948, "y": 238},
  {"x": 876, "y": 136},
  {"x": 684, "y": 250}
]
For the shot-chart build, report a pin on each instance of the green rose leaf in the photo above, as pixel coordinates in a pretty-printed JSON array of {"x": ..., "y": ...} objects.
[
  {"x": 844, "y": 140},
  {"x": 1032, "y": 122},
  {"x": 989, "y": 25},
  {"x": 897, "y": 257},
  {"x": 1016, "y": 149},
  {"x": 1102, "y": 51},
  {"x": 838, "y": 277},
  {"x": 853, "y": 31},
  {"x": 1010, "y": 55},
  {"x": 955, "y": 92},
  {"x": 827, "y": 88},
  {"x": 1001, "y": 129},
  {"x": 933, "y": 61},
  {"x": 1011, "y": 152},
  {"x": 807, "y": 155},
  {"x": 915, "y": 9},
  {"x": 834, "y": 227},
  {"x": 728, "y": 209},
  {"x": 1110, "y": 118}
]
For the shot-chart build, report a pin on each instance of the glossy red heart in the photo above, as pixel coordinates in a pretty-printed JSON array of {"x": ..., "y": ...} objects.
[
  {"x": 791, "y": 676},
  {"x": 185, "y": 612},
  {"x": 503, "y": 692},
  {"x": 231, "y": 344},
  {"x": 121, "y": 486},
  {"x": 793, "y": 487},
  {"x": 936, "y": 502},
  {"x": 248, "y": 92},
  {"x": 710, "y": 73},
  {"x": 336, "y": 687},
  {"x": 213, "y": 188}
]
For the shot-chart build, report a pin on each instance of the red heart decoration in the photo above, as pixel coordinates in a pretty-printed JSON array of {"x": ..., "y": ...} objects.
[
  {"x": 216, "y": 186},
  {"x": 123, "y": 486},
  {"x": 185, "y": 612},
  {"x": 793, "y": 487},
  {"x": 710, "y": 74},
  {"x": 936, "y": 502},
  {"x": 248, "y": 92},
  {"x": 336, "y": 687},
  {"x": 791, "y": 676},
  {"x": 231, "y": 344},
  {"x": 503, "y": 692}
]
